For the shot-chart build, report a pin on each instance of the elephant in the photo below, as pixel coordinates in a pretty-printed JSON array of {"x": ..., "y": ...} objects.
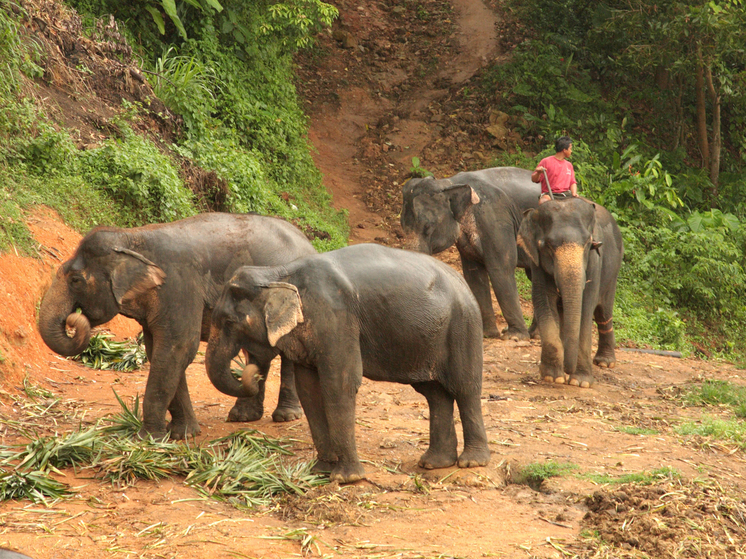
[
  {"x": 361, "y": 311},
  {"x": 479, "y": 212},
  {"x": 576, "y": 251},
  {"x": 167, "y": 277}
]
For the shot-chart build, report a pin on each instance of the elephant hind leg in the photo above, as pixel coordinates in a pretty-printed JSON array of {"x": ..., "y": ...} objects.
[
  {"x": 442, "y": 452},
  {"x": 476, "y": 450},
  {"x": 605, "y": 356}
]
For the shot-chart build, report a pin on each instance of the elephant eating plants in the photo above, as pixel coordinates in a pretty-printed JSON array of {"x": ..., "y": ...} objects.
[
  {"x": 167, "y": 277},
  {"x": 364, "y": 310},
  {"x": 479, "y": 212},
  {"x": 576, "y": 250}
]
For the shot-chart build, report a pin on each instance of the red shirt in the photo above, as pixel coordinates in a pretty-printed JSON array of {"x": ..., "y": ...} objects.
[{"x": 560, "y": 172}]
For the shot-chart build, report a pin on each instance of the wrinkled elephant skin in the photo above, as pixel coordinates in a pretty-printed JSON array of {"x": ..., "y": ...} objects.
[
  {"x": 576, "y": 251},
  {"x": 365, "y": 310},
  {"x": 479, "y": 212},
  {"x": 167, "y": 277}
]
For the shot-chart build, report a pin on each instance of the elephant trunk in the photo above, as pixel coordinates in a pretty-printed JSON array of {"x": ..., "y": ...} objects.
[
  {"x": 570, "y": 279},
  {"x": 62, "y": 329},
  {"x": 220, "y": 352}
]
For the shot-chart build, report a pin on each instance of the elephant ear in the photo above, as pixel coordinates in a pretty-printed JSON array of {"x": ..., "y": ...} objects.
[
  {"x": 461, "y": 197},
  {"x": 283, "y": 310},
  {"x": 133, "y": 276},
  {"x": 527, "y": 235}
]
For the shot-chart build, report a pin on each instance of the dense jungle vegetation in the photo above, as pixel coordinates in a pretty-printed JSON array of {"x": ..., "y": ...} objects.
[
  {"x": 652, "y": 93},
  {"x": 226, "y": 74}
]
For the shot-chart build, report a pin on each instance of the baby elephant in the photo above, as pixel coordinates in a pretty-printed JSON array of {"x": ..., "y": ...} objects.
[{"x": 364, "y": 310}]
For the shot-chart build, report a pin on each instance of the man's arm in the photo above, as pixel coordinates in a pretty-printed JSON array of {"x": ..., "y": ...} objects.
[{"x": 537, "y": 174}]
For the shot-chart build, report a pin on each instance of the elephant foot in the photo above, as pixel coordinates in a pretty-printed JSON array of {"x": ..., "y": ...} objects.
[
  {"x": 490, "y": 332},
  {"x": 605, "y": 360},
  {"x": 183, "y": 429},
  {"x": 322, "y": 467},
  {"x": 581, "y": 380},
  {"x": 473, "y": 457},
  {"x": 347, "y": 472},
  {"x": 246, "y": 409},
  {"x": 554, "y": 375},
  {"x": 434, "y": 459},
  {"x": 287, "y": 413},
  {"x": 517, "y": 334},
  {"x": 155, "y": 434}
]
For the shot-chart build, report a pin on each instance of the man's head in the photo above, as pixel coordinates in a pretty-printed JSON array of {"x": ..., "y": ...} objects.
[{"x": 563, "y": 143}]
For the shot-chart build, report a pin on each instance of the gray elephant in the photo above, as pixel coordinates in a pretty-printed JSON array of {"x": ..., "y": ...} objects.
[
  {"x": 480, "y": 212},
  {"x": 576, "y": 251},
  {"x": 365, "y": 310},
  {"x": 167, "y": 277}
]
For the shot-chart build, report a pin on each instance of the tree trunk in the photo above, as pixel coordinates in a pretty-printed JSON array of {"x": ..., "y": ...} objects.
[
  {"x": 716, "y": 142},
  {"x": 704, "y": 147}
]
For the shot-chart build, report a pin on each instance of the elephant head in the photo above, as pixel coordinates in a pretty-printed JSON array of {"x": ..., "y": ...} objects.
[
  {"x": 101, "y": 280},
  {"x": 558, "y": 237},
  {"x": 252, "y": 314},
  {"x": 432, "y": 213}
]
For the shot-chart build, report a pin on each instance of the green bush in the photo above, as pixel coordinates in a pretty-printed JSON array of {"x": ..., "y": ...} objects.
[{"x": 140, "y": 178}]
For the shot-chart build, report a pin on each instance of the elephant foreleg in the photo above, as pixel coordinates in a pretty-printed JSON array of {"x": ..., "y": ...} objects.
[
  {"x": 442, "y": 452},
  {"x": 583, "y": 374},
  {"x": 309, "y": 391},
  {"x": 545, "y": 299},
  {"x": 340, "y": 376},
  {"x": 478, "y": 280},
  {"x": 166, "y": 389},
  {"x": 183, "y": 422},
  {"x": 502, "y": 276},
  {"x": 288, "y": 407}
]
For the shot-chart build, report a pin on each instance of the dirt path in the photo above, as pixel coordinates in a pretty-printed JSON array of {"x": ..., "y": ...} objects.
[{"x": 337, "y": 128}]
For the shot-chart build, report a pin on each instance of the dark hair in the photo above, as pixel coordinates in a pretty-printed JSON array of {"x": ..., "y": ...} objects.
[{"x": 562, "y": 143}]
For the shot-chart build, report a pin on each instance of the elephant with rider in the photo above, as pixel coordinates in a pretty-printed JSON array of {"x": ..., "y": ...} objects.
[{"x": 576, "y": 251}]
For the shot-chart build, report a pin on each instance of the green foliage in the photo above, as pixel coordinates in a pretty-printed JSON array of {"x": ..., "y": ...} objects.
[
  {"x": 296, "y": 21},
  {"x": 186, "y": 85},
  {"x": 132, "y": 171},
  {"x": 232, "y": 84},
  {"x": 416, "y": 171},
  {"x": 718, "y": 392},
  {"x": 245, "y": 469},
  {"x": 732, "y": 430},
  {"x": 535, "y": 473},
  {"x": 104, "y": 353},
  {"x": 638, "y": 478}
]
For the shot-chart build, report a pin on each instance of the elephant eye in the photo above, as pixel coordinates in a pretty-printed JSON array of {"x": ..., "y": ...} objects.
[{"x": 76, "y": 280}]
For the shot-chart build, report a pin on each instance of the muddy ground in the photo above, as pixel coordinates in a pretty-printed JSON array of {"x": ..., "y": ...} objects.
[{"x": 385, "y": 85}]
